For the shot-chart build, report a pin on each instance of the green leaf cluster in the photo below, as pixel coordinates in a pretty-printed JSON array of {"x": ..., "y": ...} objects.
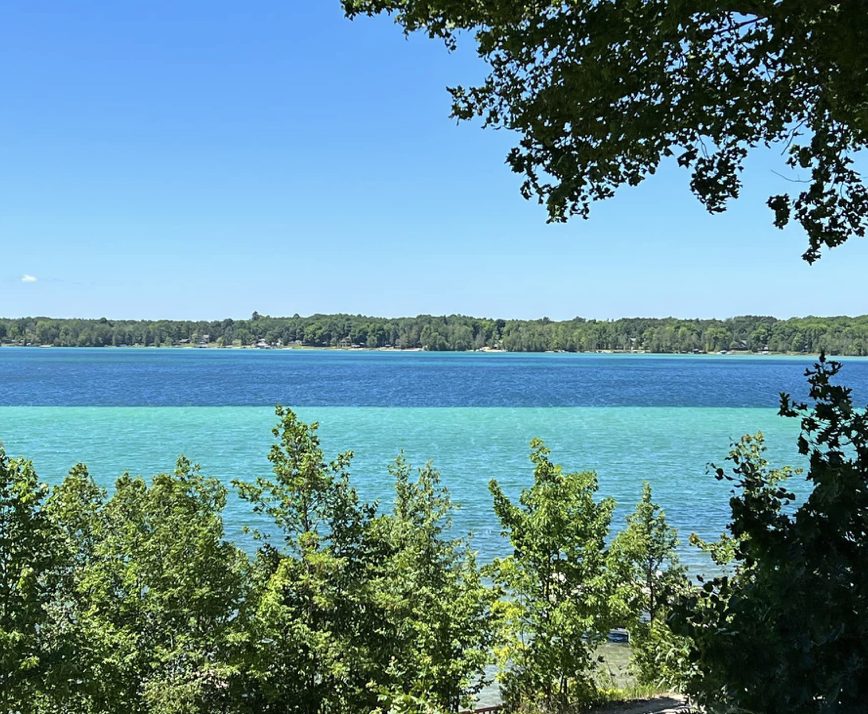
[
  {"x": 135, "y": 601},
  {"x": 785, "y": 630},
  {"x": 651, "y": 579},
  {"x": 601, "y": 94},
  {"x": 559, "y": 594},
  {"x": 28, "y": 554}
]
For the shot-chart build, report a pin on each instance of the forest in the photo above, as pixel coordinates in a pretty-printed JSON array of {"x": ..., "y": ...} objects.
[{"x": 833, "y": 335}]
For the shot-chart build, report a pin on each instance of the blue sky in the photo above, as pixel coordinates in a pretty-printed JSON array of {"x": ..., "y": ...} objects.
[{"x": 208, "y": 159}]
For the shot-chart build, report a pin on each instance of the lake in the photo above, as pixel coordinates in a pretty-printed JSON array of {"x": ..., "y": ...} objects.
[{"x": 628, "y": 417}]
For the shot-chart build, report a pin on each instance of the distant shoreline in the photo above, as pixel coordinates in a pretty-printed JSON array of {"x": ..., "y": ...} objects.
[
  {"x": 748, "y": 334},
  {"x": 332, "y": 348}
]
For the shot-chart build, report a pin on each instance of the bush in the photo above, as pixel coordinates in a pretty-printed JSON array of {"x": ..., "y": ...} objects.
[
  {"x": 559, "y": 603},
  {"x": 787, "y": 632}
]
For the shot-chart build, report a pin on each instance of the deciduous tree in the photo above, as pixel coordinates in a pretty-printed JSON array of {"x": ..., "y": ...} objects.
[
  {"x": 786, "y": 632},
  {"x": 601, "y": 93},
  {"x": 644, "y": 559},
  {"x": 437, "y": 610},
  {"x": 559, "y": 605},
  {"x": 28, "y": 554}
]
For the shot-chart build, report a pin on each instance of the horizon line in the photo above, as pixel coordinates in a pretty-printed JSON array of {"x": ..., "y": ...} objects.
[{"x": 297, "y": 316}]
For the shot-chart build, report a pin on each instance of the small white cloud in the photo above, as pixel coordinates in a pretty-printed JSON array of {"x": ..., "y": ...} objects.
[{"x": 28, "y": 278}]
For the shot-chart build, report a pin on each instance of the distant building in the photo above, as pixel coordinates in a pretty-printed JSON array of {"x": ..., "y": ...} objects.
[{"x": 345, "y": 342}]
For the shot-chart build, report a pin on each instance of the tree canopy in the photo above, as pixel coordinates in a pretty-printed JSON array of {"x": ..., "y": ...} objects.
[
  {"x": 785, "y": 632},
  {"x": 561, "y": 607},
  {"x": 602, "y": 92}
]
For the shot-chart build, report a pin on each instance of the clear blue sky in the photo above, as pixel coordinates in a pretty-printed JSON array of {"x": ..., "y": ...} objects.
[{"x": 207, "y": 159}]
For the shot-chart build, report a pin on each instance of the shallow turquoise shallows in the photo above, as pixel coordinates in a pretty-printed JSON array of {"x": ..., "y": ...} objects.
[
  {"x": 631, "y": 418},
  {"x": 668, "y": 446}
]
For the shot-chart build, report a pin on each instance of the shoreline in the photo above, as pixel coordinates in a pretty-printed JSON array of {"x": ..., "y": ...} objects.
[{"x": 487, "y": 350}]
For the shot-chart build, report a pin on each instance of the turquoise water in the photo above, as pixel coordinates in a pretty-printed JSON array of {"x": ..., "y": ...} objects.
[
  {"x": 668, "y": 446},
  {"x": 629, "y": 417}
]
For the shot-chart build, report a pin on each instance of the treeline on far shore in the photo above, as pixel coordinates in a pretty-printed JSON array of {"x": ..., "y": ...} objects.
[
  {"x": 833, "y": 335},
  {"x": 133, "y": 599}
]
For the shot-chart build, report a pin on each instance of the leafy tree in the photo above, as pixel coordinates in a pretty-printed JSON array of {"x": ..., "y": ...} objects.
[
  {"x": 601, "y": 93},
  {"x": 786, "y": 632},
  {"x": 439, "y": 613},
  {"x": 76, "y": 508},
  {"x": 645, "y": 558},
  {"x": 648, "y": 545},
  {"x": 152, "y": 592},
  {"x": 559, "y": 606},
  {"x": 243, "y": 336},
  {"x": 747, "y": 455},
  {"x": 310, "y": 614},
  {"x": 363, "y": 610},
  {"x": 28, "y": 553}
]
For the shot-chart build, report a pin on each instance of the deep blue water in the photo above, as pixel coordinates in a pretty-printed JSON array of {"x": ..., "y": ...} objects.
[{"x": 190, "y": 377}]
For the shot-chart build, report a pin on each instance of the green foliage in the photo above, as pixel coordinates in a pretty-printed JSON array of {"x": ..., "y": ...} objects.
[
  {"x": 75, "y": 507},
  {"x": 834, "y": 335},
  {"x": 28, "y": 553},
  {"x": 602, "y": 93},
  {"x": 311, "y": 609},
  {"x": 644, "y": 556},
  {"x": 135, "y": 602},
  {"x": 766, "y": 484},
  {"x": 365, "y": 610},
  {"x": 560, "y": 596},
  {"x": 150, "y": 592},
  {"x": 403, "y": 703},
  {"x": 438, "y": 609},
  {"x": 660, "y": 657},
  {"x": 786, "y": 632}
]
